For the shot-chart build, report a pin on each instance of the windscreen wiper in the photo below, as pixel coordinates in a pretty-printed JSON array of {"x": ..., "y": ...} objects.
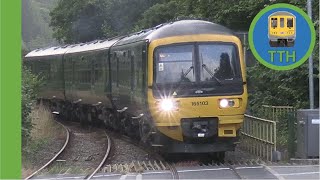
[
  {"x": 211, "y": 74},
  {"x": 185, "y": 75},
  {"x": 187, "y": 72}
]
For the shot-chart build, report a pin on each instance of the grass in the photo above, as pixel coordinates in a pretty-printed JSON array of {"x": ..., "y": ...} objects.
[
  {"x": 44, "y": 132},
  {"x": 44, "y": 124}
]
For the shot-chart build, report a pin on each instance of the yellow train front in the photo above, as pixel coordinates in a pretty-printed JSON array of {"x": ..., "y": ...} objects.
[
  {"x": 282, "y": 29},
  {"x": 197, "y": 92}
]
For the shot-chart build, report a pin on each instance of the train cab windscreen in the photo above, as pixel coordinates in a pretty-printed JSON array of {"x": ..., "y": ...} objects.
[
  {"x": 211, "y": 67},
  {"x": 217, "y": 62},
  {"x": 274, "y": 22},
  {"x": 175, "y": 64}
]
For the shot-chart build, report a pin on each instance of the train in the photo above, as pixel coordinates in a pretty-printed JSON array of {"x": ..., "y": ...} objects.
[
  {"x": 179, "y": 87},
  {"x": 281, "y": 29}
]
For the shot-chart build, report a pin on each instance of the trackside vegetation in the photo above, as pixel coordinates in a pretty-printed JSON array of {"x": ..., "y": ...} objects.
[{"x": 30, "y": 85}]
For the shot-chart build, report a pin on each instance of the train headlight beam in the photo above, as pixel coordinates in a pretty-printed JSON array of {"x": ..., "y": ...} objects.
[
  {"x": 167, "y": 104},
  {"x": 225, "y": 103}
]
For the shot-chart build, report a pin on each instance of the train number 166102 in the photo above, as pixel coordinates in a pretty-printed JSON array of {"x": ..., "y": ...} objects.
[{"x": 200, "y": 103}]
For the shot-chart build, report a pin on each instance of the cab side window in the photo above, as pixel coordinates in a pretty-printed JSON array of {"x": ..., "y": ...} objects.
[
  {"x": 290, "y": 22},
  {"x": 274, "y": 22}
]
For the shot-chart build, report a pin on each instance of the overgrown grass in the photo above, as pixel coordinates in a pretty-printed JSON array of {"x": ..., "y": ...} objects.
[
  {"x": 45, "y": 131},
  {"x": 44, "y": 124}
]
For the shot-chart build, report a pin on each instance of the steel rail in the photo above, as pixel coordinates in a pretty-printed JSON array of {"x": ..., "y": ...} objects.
[
  {"x": 234, "y": 171},
  {"x": 103, "y": 160},
  {"x": 174, "y": 172},
  {"x": 52, "y": 159}
]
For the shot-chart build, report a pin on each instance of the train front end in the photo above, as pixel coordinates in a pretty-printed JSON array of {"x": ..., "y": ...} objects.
[
  {"x": 281, "y": 29},
  {"x": 197, "y": 92}
]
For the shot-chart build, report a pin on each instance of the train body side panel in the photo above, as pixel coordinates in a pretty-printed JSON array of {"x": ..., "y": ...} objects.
[
  {"x": 128, "y": 77},
  {"x": 50, "y": 70},
  {"x": 87, "y": 78}
]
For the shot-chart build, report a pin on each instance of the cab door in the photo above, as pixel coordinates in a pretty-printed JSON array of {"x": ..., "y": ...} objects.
[{"x": 282, "y": 25}]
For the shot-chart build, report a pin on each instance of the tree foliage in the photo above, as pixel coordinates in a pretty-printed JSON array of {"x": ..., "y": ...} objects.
[
  {"x": 36, "y": 32},
  {"x": 30, "y": 85},
  {"x": 82, "y": 20}
]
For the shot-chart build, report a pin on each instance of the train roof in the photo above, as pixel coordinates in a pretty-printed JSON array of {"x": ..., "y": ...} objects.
[
  {"x": 281, "y": 13},
  {"x": 92, "y": 46},
  {"x": 75, "y": 48},
  {"x": 178, "y": 28},
  {"x": 49, "y": 51}
]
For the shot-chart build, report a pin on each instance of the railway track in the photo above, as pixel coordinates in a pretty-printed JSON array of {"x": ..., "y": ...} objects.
[
  {"x": 174, "y": 172},
  {"x": 63, "y": 149},
  {"x": 57, "y": 154},
  {"x": 163, "y": 164},
  {"x": 103, "y": 160},
  {"x": 205, "y": 162},
  {"x": 235, "y": 172},
  {"x": 160, "y": 164}
]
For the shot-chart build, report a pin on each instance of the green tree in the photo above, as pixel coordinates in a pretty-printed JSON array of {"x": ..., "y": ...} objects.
[
  {"x": 35, "y": 23},
  {"x": 236, "y": 14},
  {"x": 30, "y": 86},
  {"x": 82, "y": 20},
  {"x": 159, "y": 13}
]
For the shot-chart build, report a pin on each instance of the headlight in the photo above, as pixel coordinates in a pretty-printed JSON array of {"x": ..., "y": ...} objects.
[
  {"x": 167, "y": 105},
  {"x": 225, "y": 103}
]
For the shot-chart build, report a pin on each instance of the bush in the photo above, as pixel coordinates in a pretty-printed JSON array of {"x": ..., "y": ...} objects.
[
  {"x": 280, "y": 88},
  {"x": 30, "y": 85}
]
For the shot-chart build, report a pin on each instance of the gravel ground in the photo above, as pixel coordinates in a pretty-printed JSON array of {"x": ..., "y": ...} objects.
[
  {"x": 123, "y": 151},
  {"x": 240, "y": 156},
  {"x": 84, "y": 152}
]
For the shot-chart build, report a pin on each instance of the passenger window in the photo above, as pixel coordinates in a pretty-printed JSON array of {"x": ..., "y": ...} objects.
[
  {"x": 290, "y": 22},
  {"x": 282, "y": 22},
  {"x": 274, "y": 22}
]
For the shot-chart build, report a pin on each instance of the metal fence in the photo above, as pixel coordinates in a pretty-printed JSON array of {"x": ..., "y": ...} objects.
[
  {"x": 276, "y": 112},
  {"x": 259, "y": 136}
]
